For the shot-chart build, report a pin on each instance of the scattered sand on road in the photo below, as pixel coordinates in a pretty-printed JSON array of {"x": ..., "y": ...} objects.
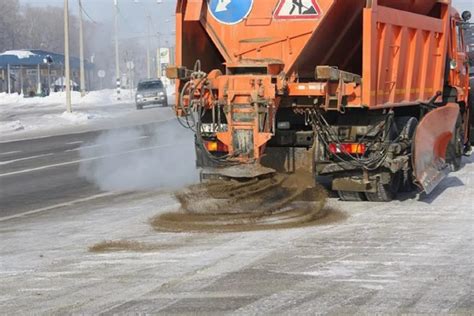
[
  {"x": 128, "y": 245},
  {"x": 278, "y": 202},
  {"x": 185, "y": 222}
]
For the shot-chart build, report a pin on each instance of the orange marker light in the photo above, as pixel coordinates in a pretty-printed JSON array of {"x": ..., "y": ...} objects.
[
  {"x": 214, "y": 146},
  {"x": 350, "y": 148}
]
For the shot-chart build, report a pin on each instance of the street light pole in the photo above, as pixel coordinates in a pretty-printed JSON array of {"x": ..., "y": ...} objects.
[
  {"x": 81, "y": 51},
  {"x": 159, "y": 56},
  {"x": 38, "y": 79},
  {"x": 9, "y": 80},
  {"x": 117, "y": 61},
  {"x": 148, "y": 63},
  {"x": 49, "y": 78},
  {"x": 67, "y": 74},
  {"x": 48, "y": 61}
]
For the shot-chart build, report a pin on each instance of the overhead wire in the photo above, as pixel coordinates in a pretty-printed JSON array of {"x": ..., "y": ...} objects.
[{"x": 81, "y": 7}]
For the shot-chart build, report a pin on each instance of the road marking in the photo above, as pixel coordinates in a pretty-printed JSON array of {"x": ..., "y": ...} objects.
[
  {"x": 105, "y": 144},
  {"x": 75, "y": 143},
  {"x": 70, "y": 203},
  {"x": 25, "y": 158},
  {"x": 82, "y": 147},
  {"x": 93, "y": 130},
  {"x": 82, "y": 160},
  {"x": 11, "y": 152}
]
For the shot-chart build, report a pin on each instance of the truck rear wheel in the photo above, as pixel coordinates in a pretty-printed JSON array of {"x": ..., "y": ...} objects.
[
  {"x": 385, "y": 192},
  {"x": 407, "y": 125},
  {"x": 455, "y": 149}
]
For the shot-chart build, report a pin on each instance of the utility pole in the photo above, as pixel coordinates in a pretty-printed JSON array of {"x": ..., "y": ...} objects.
[
  {"x": 9, "y": 80},
  {"x": 117, "y": 61},
  {"x": 49, "y": 78},
  {"x": 21, "y": 81},
  {"x": 81, "y": 51},
  {"x": 148, "y": 65},
  {"x": 159, "y": 56},
  {"x": 38, "y": 79},
  {"x": 67, "y": 71}
]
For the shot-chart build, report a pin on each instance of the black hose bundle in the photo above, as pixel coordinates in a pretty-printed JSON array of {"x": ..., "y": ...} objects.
[
  {"x": 194, "y": 113},
  {"x": 375, "y": 160}
]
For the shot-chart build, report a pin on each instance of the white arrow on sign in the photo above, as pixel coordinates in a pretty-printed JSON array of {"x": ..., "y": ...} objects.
[{"x": 222, "y": 5}]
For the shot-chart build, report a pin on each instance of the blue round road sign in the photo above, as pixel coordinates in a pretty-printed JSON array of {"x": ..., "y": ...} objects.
[{"x": 230, "y": 11}]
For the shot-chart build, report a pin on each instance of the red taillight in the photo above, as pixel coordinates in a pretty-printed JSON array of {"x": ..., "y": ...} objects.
[
  {"x": 216, "y": 146},
  {"x": 348, "y": 148}
]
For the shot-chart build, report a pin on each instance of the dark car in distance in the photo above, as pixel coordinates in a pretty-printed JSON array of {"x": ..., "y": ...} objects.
[{"x": 150, "y": 92}]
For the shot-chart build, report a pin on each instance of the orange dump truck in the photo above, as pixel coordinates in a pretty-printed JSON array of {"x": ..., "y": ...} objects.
[{"x": 376, "y": 90}]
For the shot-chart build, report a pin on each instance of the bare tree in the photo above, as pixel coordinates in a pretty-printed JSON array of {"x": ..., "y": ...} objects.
[
  {"x": 31, "y": 27},
  {"x": 43, "y": 28},
  {"x": 10, "y": 23}
]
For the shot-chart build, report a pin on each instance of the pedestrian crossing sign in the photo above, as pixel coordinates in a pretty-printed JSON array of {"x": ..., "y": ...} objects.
[{"x": 298, "y": 9}]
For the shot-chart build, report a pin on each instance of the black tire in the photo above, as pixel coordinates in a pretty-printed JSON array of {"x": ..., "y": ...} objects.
[
  {"x": 139, "y": 107},
  {"x": 385, "y": 192},
  {"x": 407, "y": 125},
  {"x": 455, "y": 149},
  {"x": 471, "y": 113},
  {"x": 349, "y": 196},
  {"x": 407, "y": 181}
]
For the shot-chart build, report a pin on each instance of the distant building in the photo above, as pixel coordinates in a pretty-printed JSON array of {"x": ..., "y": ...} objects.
[{"x": 34, "y": 72}]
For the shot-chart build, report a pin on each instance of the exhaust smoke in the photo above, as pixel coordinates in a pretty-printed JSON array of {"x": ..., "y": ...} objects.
[{"x": 144, "y": 158}]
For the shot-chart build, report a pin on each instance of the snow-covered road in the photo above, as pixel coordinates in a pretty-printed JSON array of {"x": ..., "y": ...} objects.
[{"x": 409, "y": 256}]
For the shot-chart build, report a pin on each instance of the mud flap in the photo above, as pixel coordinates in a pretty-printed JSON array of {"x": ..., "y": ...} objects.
[{"x": 431, "y": 141}]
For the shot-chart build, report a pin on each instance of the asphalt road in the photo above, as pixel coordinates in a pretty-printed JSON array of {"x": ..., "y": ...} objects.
[
  {"x": 411, "y": 256},
  {"x": 43, "y": 172}
]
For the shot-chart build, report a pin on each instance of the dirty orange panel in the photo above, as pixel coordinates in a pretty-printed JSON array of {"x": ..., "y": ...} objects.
[
  {"x": 404, "y": 54},
  {"x": 194, "y": 10},
  {"x": 307, "y": 89},
  {"x": 397, "y": 46},
  {"x": 270, "y": 29}
]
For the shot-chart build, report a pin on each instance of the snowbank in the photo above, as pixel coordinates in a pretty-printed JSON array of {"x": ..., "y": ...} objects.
[
  {"x": 20, "y": 115},
  {"x": 93, "y": 97},
  {"x": 11, "y": 126},
  {"x": 102, "y": 97}
]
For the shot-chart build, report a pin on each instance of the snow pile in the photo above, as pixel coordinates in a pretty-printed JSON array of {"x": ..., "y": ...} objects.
[
  {"x": 34, "y": 116},
  {"x": 20, "y": 114},
  {"x": 21, "y": 54},
  {"x": 26, "y": 115},
  {"x": 104, "y": 97},
  {"x": 79, "y": 117},
  {"x": 100, "y": 97},
  {"x": 6, "y": 98},
  {"x": 6, "y": 126},
  {"x": 94, "y": 97}
]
